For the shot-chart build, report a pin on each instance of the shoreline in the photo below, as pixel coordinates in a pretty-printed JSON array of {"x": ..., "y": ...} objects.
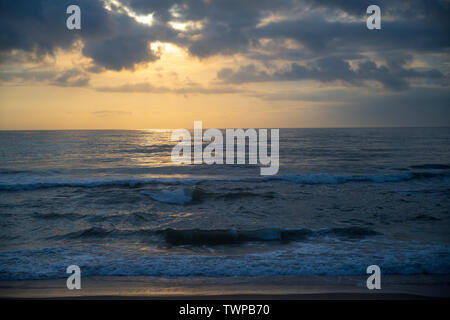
[{"x": 313, "y": 287}]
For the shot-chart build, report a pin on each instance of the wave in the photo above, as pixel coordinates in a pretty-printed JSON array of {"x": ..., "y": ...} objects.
[
  {"x": 12, "y": 171},
  {"x": 167, "y": 148},
  {"x": 94, "y": 183},
  {"x": 178, "y": 196},
  {"x": 103, "y": 233},
  {"x": 183, "y": 196},
  {"x": 57, "y": 216},
  {"x": 200, "y": 237},
  {"x": 231, "y": 236},
  {"x": 325, "y": 178},
  {"x": 432, "y": 166},
  {"x": 316, "y": 178},
  {"x": 311, "y": 258}
]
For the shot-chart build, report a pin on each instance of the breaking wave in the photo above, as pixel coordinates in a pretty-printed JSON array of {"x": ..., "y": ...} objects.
[
  {"x": 178, "y": 196},
  {"x": 317, "y": 178},
  {"x": 199, "y": 237},
  {"x": 310, "y": 258}
]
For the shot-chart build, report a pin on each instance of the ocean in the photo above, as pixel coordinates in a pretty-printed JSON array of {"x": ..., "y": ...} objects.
[{"x": 113, "y": 203}]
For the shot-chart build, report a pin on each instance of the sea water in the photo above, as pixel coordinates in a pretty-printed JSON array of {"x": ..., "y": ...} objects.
[{"x": 113, "y": 203}]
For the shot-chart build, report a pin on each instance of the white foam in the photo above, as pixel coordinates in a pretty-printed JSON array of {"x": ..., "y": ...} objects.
[
  {"x": 315, "y": 178},
  {"x": 324, "y": 258},
  {"x": 178, "y": 196}
]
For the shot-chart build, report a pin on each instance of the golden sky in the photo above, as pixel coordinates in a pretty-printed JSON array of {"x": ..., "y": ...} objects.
[{"x": 147, "y": 70}]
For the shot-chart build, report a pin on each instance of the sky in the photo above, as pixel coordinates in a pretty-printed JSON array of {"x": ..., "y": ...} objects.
[{"x": 138, "y": 64}]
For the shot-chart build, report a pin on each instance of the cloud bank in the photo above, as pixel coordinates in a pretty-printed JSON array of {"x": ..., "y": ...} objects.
[{"x": 276, "y": 41}]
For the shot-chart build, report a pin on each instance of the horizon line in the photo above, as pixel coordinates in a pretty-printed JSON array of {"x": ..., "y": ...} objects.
[{"x": 205, "y": 128}]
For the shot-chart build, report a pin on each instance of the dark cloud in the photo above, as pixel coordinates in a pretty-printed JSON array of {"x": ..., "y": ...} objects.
[
  {"x": 40, "y": 25},
  {"x": 113, "y": 40},
  {"x": 128, "y": 46},
  {"x": 430, "y": 11},
  {"x": 71, "y": 78},
  {"x": 159, "y": 8},
  {"x": 67, "y": 78},
  {"x": 228, "y": 26},
  {"x": 394, "y": 76},
  {"x": 322, "y": 36},
  {"x": 232, "y": 26},
  {"x": 327, "y": 42},
  {"x": 117, "y": 41},
  {"x": 27, "y": 75},
  {"x": 232, "y": 12}
]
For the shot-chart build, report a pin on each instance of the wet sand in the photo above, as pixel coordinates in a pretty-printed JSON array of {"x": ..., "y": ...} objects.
[{"x": 233, "y": 288}]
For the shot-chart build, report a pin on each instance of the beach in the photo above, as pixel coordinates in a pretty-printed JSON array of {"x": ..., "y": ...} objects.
[{"x": 394, "y": 287}]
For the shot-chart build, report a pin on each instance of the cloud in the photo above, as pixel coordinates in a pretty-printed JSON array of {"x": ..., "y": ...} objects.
[
  {"x": 192, "y": 88},
  {"x": 394, "y": 76},
  {"x": 123, "y": 51},
  {"x": 115, "y": 40},
  {"x": 111, "y": 113},
  {"x": 323, "y": 37},
  {"x": 66, "y": 78},
  {"x": 111, "y": 39},
  {"x": 433, "y": 11},
  {"x": 323, "y": 40},
  {"x": 234, "y": 26},
  {"x": 40, "y": 25},
  {"x": 71, "y": 78},
  {"x": 128, "y": 44}
]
